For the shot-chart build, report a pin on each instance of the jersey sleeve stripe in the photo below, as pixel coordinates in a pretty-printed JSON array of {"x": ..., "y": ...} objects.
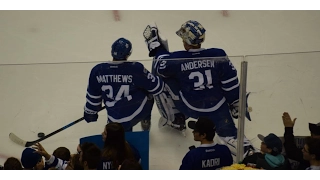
[
  {"x": 229, "y": 80},
  {"x": 160, "y": 90},
  {"x": 231, "y": 88},
  {"x": 214, "y": 108},
  {"x": 92, "y": 103},
  {"x": 158, "y": 87},
  {"x": 129, "y": 118},
  {"x": 86, "y": 109},
  {"x": 92, "y": 96}
]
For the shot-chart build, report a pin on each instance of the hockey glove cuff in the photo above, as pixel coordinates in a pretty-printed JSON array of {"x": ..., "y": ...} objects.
[{"x": 90, "y": 116}]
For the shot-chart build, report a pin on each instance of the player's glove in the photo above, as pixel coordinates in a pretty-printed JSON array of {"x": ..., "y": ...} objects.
[
  {"x": 234, "y": 109},
  {"x": 90, "y": 116},
  {"x": 154, "y": 39}
]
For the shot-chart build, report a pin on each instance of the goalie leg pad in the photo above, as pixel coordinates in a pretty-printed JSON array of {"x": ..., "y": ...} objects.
[
  {"x": 171, "y": 92},
  {"x": 166, "y": 106}
]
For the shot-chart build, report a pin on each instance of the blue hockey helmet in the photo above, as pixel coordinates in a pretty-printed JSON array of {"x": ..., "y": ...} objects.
[
  {"x": 121, "y": 49},
  {"x": 192, "y": 32}
]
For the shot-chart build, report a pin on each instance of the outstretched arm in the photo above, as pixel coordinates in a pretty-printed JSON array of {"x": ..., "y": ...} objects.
[
  {"x": 292, "y": 151},
  {"x": 51, "y": 160}
]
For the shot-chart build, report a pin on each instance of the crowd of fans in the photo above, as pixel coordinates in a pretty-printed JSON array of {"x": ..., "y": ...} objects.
[{"x": 118, "y": 154}]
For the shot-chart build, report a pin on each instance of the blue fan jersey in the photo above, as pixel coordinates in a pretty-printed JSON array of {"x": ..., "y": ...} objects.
[
  {"x": 207, "y": 157},
  {"x": 108, "y": 165},
  {"x": 123, "y": 87},
  {"x": 206, "y": 78}
]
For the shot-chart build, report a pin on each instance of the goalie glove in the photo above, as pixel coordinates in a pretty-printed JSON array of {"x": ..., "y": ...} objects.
[
  {"x": 154, "y": 39},
  {"x": 234, "y": 109}
]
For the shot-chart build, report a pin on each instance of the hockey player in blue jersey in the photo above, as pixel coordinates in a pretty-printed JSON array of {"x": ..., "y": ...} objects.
[
  {"x": 200, "y": 82},
  {"x": 126, "y": 88},
  {"x": 209, "y": 155}
]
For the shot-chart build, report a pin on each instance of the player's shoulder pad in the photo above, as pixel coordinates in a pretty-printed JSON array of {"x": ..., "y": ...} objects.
[
  {"x": 177, "y": 53},
  {"x": 137, "y": 65},
  {"x": 224, "y": 147},
  {"x": 217, "y": 51},
  {"x": 171, "y": 55},
  {"x": 193, "y": 151},
  {"x": 98, "y": 67}
]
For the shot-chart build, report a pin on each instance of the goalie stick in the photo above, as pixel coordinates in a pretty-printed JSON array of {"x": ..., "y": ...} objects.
[{"x": 24, "y": 143}]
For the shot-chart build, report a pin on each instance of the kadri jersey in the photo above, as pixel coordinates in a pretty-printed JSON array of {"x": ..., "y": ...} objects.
[{"x": 207, "y": 157}]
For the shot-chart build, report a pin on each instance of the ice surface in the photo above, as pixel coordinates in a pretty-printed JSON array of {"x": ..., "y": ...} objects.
[{"x": 44, "y": 97}]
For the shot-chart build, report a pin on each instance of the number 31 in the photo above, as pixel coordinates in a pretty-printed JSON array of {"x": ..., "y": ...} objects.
[{"x": 200, "y": 84}]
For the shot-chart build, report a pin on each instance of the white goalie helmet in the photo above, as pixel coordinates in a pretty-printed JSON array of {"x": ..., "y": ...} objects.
[{"x": 192, "y": 32}]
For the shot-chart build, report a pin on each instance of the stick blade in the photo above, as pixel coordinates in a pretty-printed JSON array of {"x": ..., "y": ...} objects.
[{"x": 17, "y": 140}]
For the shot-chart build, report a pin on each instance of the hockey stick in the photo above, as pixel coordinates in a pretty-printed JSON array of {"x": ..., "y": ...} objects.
[{"x": 24, "y": 143}]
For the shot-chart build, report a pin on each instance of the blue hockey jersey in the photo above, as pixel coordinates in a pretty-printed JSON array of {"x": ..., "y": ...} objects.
[
  {"x": 207, "y": 157},
  {"x": 206, "y": 77},
  {"x": 123, "y": 87}
]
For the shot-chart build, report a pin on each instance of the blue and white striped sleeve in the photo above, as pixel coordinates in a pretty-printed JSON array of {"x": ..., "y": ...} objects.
[
  {"x": 152, "y": 83},
  {"x": 229, "y": 82},
  {"x": 93, "y": 95},
  {"x": 56, "y": 163}
]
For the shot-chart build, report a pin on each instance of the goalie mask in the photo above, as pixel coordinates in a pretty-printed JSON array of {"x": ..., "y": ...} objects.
[
  {"x": 121, "y": 49},
  {"x": 192, "y": 32}
]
